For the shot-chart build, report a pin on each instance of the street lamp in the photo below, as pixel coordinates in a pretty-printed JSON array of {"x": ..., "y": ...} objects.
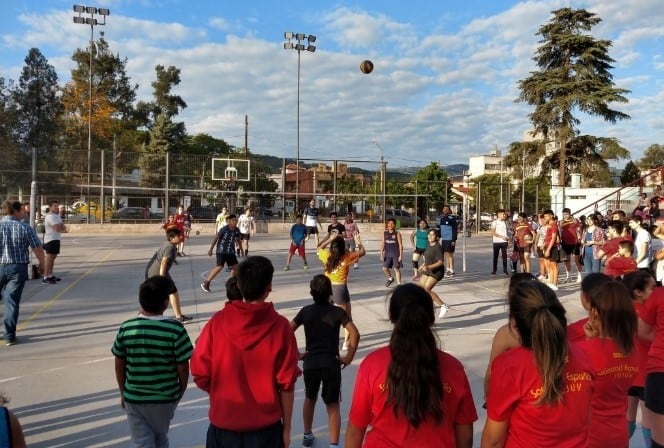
[
  {"x": 91, "y": 11},
  {"x": 299, "y": 47},
  {"x": 382, "y": 175},
  {"x": 466, "y": 212}
]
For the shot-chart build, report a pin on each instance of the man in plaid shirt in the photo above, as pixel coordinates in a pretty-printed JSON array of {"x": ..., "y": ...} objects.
[{"x": 15, "y": 241}]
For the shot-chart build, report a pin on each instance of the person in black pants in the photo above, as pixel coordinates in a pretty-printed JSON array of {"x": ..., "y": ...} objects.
[{"x": 500, "y": 240}]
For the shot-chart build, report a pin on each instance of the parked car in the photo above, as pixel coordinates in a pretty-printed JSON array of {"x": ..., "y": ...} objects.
[
  {"x": 133, "y": 213},
  {"x": 401, "y": 216}
]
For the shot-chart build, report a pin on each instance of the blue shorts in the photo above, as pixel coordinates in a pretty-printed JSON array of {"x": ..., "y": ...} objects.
[
  {"x": 391, "y": 262},
  {"x": 226, "y": 259},
  {"x": 447, "y": 246}
]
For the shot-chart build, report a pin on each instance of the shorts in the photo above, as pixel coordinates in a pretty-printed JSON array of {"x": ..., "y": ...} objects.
[
  {"x": 636, "y": 391},
  {"x": 419, "y": 251},
  {"x": 654, "y": 392},
  {"x": 245, "y": 236},
  {"x": 52, "y": 247},
  {"x": 554, "y": 254},
  {"x": 226, "y": 259},
  {"x": 447, "y": 246},
  {"x": 295, "y": 248},
  {"x": 523, "y": 249},
  {"x": 391, "y": 262},
  {"x": 331, "y": 379},
  {"x": 350, "y": 245},
  {"x": 540, "y": 252},
  {"x": 312, "y": 230},
  {"x": 438, "y": 275},
  {"x": 572, "y": 249},
  {"x": 340, "y": 294},
  {"x": 173, "y": 290}
]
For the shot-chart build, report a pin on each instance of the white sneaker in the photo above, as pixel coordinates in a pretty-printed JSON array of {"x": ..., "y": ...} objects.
[
  {"x": 566, "y": 280},
  {"x": 355, "y": 266},
  {"x": 552, "y": 286},
  {"x": 443, "y": 310},
  {"x": 579, "y": 278}
]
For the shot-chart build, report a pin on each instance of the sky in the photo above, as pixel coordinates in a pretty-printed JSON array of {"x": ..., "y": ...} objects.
[{"x": 443, "y": 88}]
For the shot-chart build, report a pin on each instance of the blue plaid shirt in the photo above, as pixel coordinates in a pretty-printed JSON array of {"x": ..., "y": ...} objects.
[{"x": 15, "y": 241}]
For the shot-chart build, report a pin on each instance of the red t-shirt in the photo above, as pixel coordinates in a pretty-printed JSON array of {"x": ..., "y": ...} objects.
[
  {"x": 179, "y": 220},
  {"x": 641, "y": 347},
  {"x": 568, "y": 231},
  {"x": 551, "y": 232},
  {"x": 653, "y": 315},
  {"x": 514, "y": 388},
  {"x": 523, "y": 234},
  {"x": 617, "y": 266},
  {"x": 614, "y": 375},
  {"x": 369, "y": 406},
  {"x": 575, "y": 332}
]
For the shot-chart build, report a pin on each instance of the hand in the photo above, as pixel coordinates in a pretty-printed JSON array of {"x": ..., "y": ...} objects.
[
  {"x": 210, "y": 253},
  {"x": 302, "y": 355},
  {"x": 344, "y": 360},
  {"x": 422, "y": 268},
  {"x": 286, "y": 436},
  {"x": 452, "y": 243},
  {"x": 590, "y": 329}
]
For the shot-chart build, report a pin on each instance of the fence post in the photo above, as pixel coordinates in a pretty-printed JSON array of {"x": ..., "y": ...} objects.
[
  {"x": 167, "y": 208},
  {"x": 102, "y": 196}
]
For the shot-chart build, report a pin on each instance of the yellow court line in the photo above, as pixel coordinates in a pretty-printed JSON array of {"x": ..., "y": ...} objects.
[{"x": 43, "y": 308}]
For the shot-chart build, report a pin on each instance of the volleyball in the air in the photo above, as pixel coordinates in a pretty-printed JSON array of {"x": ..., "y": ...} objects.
[{"x": 366, "y": 67}]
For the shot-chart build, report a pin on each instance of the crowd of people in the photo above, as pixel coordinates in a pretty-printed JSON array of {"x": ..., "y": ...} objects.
[{"x": 549, "y": 382}]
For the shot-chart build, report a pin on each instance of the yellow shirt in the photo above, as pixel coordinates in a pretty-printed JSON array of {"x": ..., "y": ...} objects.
[{"x": 339, "y": 276}]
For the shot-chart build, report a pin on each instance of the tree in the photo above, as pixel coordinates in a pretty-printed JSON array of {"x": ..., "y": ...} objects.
[
  {"x": 164, "y": 102},
  {"x": 653, "y": 157},
  {"x": 630, "y": 173},
  {"x": 574, "y": 76},
  {"x": 15, "y": 162}
]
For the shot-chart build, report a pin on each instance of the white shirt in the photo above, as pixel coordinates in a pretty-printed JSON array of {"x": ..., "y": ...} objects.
[
  {"x": 642, "y": 236},
  {"x": 50, "y": 221},
  {"x": 500, "y": 228},
  {"x": 244, "y": 223}
]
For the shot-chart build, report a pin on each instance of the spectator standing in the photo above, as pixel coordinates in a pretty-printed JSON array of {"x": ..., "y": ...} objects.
[
  {"x": 448, "y": 238},
  {"x": 642, "y": 241},
  {"x": 221, "y": 220},
  {"x": 311, "y": 221},
  {"x": 523, "y": 241},
  {"x": 322, "y": 363},
  {"x": 551, "y": 249},
  {"x": 411, "y": 393},
  {"x": 16, "y": 239},
  {"x": 500, "y": 240},
  {"x": 350, "y": 230},
  {"x": 569, "y": 236},
  {"x": 621, "y": 263},
  {"x": 247, "y": 228},
  {"x": 151, "y": 365},
  {"x": 593, "y": 241},
  {"x": 160, "y": 264},
  {"x": 246, "y": 360},
  {"x": 298, "y": 233},
  {"x": 54, "y": 230}
]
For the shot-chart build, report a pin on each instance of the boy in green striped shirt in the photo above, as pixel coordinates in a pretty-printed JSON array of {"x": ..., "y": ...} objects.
[{"x": 151, "y": 365}]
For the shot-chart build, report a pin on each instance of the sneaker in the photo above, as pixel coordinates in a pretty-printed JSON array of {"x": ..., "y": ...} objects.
[
  {"x": 57, "y": 279},
  {"x": 205, "y": 286},
  {"x": 443, "y": 310},
  {"x": 389, "y": 281},
  {"x": 450, "y": 274},
  {"x": 306, "y": 268},
  {"x": 10, "y": 342},
  {"x": 308, "y": 440},
  {"x": 355, "y": 266},
  {"x": 579, "y": 278},
  {"x": 552, "y": 286},
  {"x": 493, "y": 272},
  {"x": 48, "y": 281},
  {"x": 184, "y": 319},
  {"x": 287, "y": 268}
]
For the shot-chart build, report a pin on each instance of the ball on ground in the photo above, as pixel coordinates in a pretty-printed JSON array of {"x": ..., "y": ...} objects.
[{"x": 366, "y": 67}]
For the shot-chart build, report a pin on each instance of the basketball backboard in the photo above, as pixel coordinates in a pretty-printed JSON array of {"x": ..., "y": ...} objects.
[{"x": 225, "y": 169}]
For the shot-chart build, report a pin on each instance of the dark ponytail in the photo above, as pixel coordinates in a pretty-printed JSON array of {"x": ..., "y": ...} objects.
[{"x": 414, "y": 387}]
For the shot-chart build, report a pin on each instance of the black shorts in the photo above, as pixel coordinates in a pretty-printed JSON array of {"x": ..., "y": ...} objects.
[
  {"x": 447, "y": 246},
  {"x": 331, "y": 379},
  {"x": 391, "y": 262},
  {"x": 226, "y": 259},
  {"x": 572, "y": 249},
  {"x": 636, "y": 391},
  {"x": 245, "y": 236},
  {"x": 52, "y": 247},
  {"x": 419, "y": 251},
  {"x": 340, "y": 294},
  {"x": 654, "y": 392},
  {"x": 554, "y": 255},
  {"x": 312, "y": 229},
  {"x": 438, "y": 275}
]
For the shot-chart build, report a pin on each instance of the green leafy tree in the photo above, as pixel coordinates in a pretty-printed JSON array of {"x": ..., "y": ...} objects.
[
  {"x": 574, "y": 76},
  {"x": 653, "y": 157},
  {"x": 432, "y": 189},
  {"x": 15, "y": 162},
  {"x": 630, "y": 173}
]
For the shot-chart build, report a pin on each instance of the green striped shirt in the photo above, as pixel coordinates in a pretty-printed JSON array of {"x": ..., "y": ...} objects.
[{"x": 152, "y": 349}]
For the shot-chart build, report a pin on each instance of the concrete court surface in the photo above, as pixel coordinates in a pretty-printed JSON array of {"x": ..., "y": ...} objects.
[{"x": 60, "y": 376}]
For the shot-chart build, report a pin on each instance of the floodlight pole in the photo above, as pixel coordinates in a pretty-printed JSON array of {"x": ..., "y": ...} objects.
[
  {"x": 91, "y": 10},
  {"x": 299, "y": 46},
  {"x": 383, "y": 174}
]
